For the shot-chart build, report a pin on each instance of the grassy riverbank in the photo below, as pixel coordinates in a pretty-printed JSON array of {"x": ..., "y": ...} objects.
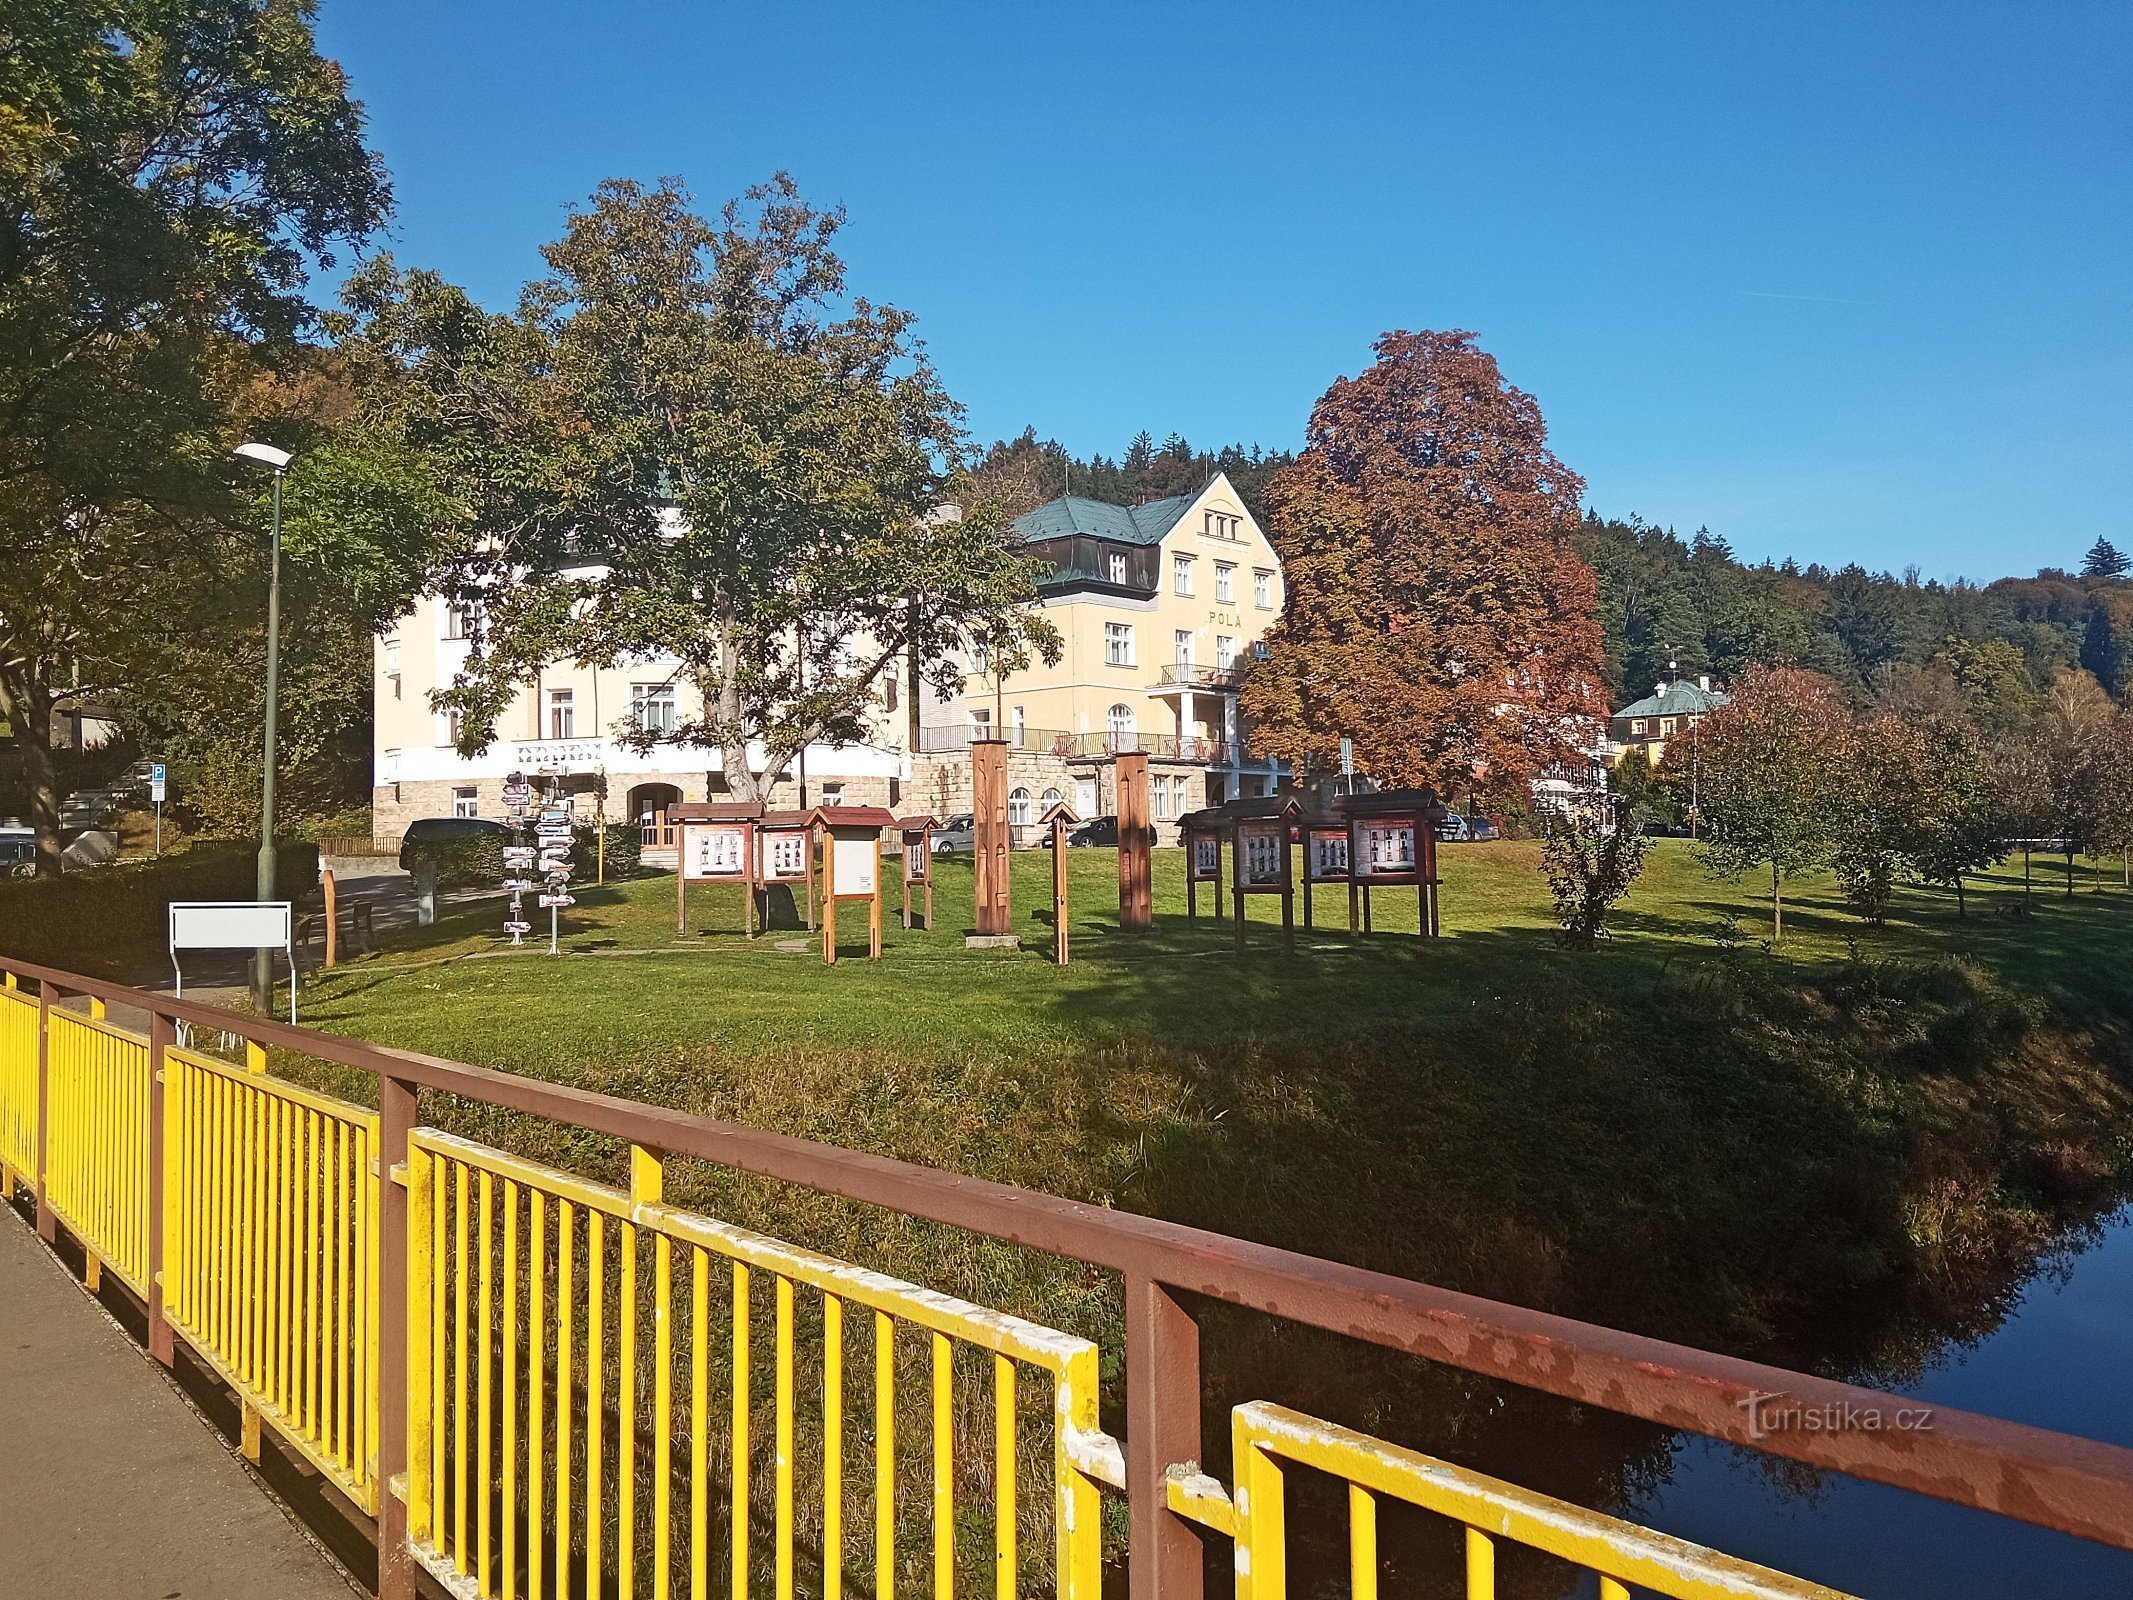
[{"x": 1683, "y": 1132}]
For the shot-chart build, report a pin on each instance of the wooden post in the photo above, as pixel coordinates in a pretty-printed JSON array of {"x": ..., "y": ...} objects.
[
  {"x": 333, "y": 917},
  {"x": 1308, "y": 844},
  {"x": 1354, "y": 888},
  {"x": 748, "y": 874},
  {"x": 812, "y": 840},
  {"x": 1192, "y": 876},
  {"x": 829, "y": 892},
  {"x": 1162, "y": 1430},
  {"x": 1059, "y": 891},
  {"x": 1236, "y": 877},
  {"x": 1288, "y": 888},
  {"x": 1428, "y": 843},
  {"x": 162, "y": 1036},
  {"x": 988, "y": 784},
  {"x": 1218, "y": 875},
  {"x": 681, "y": 881},
  {"x": 874, "y": 908},
  {"x": 1136, "y": 839}
]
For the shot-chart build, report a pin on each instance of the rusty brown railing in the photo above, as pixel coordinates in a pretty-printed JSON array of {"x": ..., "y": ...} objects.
[{"x": 2077, "y": 1486}]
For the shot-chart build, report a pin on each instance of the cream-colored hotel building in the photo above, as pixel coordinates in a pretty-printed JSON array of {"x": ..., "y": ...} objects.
[{"x": 1159, "y": 607}]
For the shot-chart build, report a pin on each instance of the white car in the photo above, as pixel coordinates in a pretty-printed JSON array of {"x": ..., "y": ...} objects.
[{"x": 956, "y": 833}]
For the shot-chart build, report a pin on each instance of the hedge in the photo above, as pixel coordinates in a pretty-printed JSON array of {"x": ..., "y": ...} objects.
[{"x": 114, "y": 922}]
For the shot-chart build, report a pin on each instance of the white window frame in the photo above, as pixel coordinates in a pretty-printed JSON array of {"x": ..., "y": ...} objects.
[
  {"x": 1159, "y": 799},
  {"x": 562, "y": 714},
  {"x": 1021, "y": 725},
  {"x": 1115, "y": 565},
  {"x": 1226, "y": 583},
  {"x": 1181, "y": 575},
  {"x": 1225, "y": 652},
  {"x": 1118, "y": 644},
  {"x": 1263, "y": 588},
  {"x": 466, "y": 801},
  {"x": 1121, "y": 723},
  {"x": 833, "y": 792},
  {"x": 644, "y": 695},
  {"x": 1020, "y": 809},
  {"x": 1181, "y": 640}
]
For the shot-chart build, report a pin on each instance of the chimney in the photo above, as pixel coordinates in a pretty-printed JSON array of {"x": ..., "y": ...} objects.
[
  {"x": 1703, "y": 682},
  {"x": 1660, "y": 687}
]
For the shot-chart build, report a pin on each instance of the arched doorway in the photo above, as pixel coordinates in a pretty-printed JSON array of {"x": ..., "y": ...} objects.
[{"x": 650, "y": 807}]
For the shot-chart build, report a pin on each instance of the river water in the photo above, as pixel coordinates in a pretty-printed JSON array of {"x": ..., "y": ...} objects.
[{"x": 2062, "y": 1358}]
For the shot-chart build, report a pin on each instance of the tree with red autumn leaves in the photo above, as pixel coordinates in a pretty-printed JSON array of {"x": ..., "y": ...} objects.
[{"x": 1435, "y": 612}]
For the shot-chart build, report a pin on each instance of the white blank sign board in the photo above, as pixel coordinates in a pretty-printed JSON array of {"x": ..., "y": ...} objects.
[
  {"x": 855, "y": 866},
  {"x": 232, "y": 925}
]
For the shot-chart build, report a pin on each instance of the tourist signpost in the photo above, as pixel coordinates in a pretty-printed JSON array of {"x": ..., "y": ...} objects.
[
  {"x": 718, "y": 845},
  {"x": 1058, "y": 819},
  {"x": 918, "y": 864},
  {"x": 851, "y": 868}
]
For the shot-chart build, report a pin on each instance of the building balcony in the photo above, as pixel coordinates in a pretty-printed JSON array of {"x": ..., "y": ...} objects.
[
  {"x": 1183, "y": 675},
  {"x": 1081, "y": 746}
]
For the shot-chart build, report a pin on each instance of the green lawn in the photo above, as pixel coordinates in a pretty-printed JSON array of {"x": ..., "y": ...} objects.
[{"x": 629, "y": 982}]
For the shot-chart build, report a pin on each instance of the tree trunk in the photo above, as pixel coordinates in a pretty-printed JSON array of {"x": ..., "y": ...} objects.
[
  {"x": 33, "y": 737},
  {"x": 1777, "y": 906},
  {"x": 2025, "y": 872},
  {"x": 1961, "y": 908},
  {"x": 2070, "y": 872}
]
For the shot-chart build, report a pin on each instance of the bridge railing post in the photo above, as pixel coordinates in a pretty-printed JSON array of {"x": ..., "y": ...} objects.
[
  {"x": 1164, "y": 1553},
  {"x": 162, "y": 1037},
  {"x": 49, "y": 995},
  {"x": 396, "y": 1120}
]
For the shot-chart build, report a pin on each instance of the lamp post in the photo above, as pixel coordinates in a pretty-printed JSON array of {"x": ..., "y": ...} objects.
[{"x": 266, "y": 456}]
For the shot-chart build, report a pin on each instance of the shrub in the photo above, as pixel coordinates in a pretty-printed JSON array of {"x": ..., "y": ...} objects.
[{"x": 1591, "y": 863}]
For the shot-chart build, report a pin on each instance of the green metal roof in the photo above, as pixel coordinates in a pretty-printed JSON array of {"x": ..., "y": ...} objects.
[
  {"x": 1071, "y": 514},
  {"x": 1680, "y": 700}
]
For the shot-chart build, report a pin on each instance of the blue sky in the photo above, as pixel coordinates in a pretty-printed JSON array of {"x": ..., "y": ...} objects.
[{"x": 1842, "y": 282}]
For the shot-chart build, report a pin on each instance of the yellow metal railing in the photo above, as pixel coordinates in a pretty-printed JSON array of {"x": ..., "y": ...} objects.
[
  {"x": 18, "y": 1083},
  {"x": 96, "y": 1150},
  {"x": 270, "y": 1254},
  {"x": 1621, "y": 1555},
  {"x": 609, "y": 1395},
  {"x": 583, "y": 1409}
]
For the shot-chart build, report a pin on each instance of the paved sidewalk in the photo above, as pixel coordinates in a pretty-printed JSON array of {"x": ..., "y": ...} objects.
[{"x": 111, "y": 1488}]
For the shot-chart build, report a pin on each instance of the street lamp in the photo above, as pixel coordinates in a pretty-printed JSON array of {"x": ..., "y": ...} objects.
[{"x": 268, "y": 458}]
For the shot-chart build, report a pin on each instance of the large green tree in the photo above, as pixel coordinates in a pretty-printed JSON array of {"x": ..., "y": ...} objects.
[
  {"x": 1774, "y": 782},
  {"x": 692, "y": 443},
  {"x": 168, "y": 175},
  {"x": 1959, "y": 817},
  {"x": 1435, "y": 612}
]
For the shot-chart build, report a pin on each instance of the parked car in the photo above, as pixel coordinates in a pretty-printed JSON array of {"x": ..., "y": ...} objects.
[
  {"x": 1096, "y": 832},
  {"x": 956, "y": 833},
  {"x": 427, "y": 833},
  {"x": 18, "y": 855},
  {"x": 1456, "y": 829}
]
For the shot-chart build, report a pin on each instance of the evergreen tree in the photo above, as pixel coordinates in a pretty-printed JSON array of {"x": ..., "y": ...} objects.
[
  {"x": 2104, "y": 560},
  {"x": 2102, "y": 652}
]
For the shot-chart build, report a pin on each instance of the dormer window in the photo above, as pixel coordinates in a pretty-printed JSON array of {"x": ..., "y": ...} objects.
[
  {"x": 1223, "y": 525},
  {"x": 1117, "y": 566}
]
